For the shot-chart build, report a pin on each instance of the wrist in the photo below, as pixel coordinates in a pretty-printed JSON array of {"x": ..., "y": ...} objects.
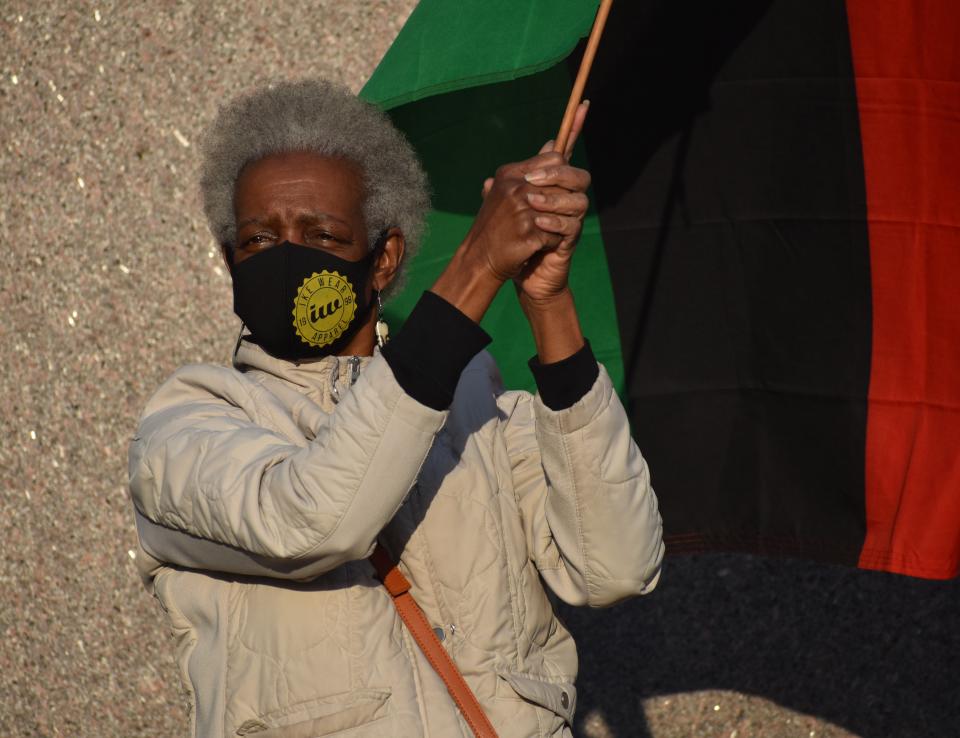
[
  {"x": 555, "y": 325},
  {"x": 537, "y": 306},
  {"x": 468, "y": 283}
]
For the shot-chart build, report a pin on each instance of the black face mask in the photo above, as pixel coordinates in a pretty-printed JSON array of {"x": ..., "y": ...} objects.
[{"x": 300, "y": 302}]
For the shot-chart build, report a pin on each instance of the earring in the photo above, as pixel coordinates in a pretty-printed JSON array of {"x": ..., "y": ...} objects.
[{"x": 382, "y": 329}]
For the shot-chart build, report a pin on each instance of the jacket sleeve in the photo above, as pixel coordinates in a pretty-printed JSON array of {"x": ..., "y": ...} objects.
[
  {"x": 589, "y": 513},
  {"x": 217, "y": 483}
]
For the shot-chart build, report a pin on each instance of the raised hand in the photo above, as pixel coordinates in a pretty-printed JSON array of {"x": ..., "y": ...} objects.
[
  {"x": 562, "y": 205},
  {"x": 521, "y": 216},
  {"x": 529, "y": 207}
]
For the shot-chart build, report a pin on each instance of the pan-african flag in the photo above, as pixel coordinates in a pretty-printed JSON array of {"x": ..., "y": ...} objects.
[{"x": 771, "y": 269}]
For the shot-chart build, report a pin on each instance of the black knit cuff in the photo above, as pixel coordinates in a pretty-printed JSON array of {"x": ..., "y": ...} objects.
[
  {"x": 564, "y": 382},
  {"x": 432, "y": 349}
]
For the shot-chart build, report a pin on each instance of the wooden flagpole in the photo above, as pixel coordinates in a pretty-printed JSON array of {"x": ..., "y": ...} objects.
[{"x": 581, "y": 82}]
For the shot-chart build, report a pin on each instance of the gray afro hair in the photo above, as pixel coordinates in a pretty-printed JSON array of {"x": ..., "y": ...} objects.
[{"x": 327, "y": 119}]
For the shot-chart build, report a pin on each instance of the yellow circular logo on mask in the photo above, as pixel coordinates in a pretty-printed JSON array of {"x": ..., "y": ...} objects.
[{"x": 323, "y": 308}]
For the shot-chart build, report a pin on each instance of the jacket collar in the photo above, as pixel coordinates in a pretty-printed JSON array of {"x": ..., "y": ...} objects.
[{"x": 326, "y": 380}]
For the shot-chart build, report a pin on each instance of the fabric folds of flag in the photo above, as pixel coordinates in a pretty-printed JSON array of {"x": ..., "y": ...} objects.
[{"x": 770, "y": 267}]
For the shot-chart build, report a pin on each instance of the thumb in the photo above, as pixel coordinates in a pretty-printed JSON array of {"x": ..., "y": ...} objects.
[{"x": 546, "y": 148}]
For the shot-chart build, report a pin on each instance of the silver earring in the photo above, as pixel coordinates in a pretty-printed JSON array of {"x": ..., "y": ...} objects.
[{"x": 382, "y": 329}]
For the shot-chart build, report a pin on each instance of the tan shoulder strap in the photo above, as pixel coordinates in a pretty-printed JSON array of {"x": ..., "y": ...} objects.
[{"x": 413, "y": 617}]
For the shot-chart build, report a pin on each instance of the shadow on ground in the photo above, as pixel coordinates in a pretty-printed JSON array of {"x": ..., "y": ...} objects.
[{"x": 874, "y": 653}]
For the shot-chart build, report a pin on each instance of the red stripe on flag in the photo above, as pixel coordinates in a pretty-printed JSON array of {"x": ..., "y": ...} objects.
[{"x": 906, "y": 56}]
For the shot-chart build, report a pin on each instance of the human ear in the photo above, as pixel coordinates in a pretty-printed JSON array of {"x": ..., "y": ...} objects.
[
  {"x": 388, "y": 262},
  {"x": 225, "y": 253}
]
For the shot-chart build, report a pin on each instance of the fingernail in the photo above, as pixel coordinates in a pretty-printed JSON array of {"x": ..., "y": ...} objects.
[
  {"x": 535, "y": 198},
  {"x": 537, "y": 175},
  {"x": 586, "y": 103}
]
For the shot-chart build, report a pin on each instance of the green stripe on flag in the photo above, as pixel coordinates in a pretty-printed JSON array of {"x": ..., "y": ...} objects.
[{"x": 449, "y": 45}]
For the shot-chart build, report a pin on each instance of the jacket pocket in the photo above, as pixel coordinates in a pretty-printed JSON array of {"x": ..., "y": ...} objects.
[
  {"x": 559, "y": 698},
  {"x": 320, "y": 717}
]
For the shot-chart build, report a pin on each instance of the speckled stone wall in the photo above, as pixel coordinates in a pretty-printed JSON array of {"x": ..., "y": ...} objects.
[{"x": 109, "y": 280}]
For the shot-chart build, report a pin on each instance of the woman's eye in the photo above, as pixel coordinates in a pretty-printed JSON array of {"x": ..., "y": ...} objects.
[{"x": 327, "y": 239}]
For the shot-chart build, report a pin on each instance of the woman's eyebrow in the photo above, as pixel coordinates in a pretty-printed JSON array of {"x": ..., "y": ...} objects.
[
  {"x": 256, "y": 220},
  {"x": 306, "y": 217},
  {"x": 313, "y": 216}
]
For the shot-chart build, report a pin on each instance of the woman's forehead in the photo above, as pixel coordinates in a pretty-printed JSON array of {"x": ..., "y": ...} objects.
[
  {"x": 307, "y": 164},
  {"x": 302, "y": 180}
]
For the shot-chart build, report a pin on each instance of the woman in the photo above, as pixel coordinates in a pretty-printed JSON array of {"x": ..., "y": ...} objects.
[{"x": 260, "y": 490}]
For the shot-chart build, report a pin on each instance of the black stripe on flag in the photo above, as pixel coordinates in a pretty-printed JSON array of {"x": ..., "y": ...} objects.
[{"x": 725, "y": 147}]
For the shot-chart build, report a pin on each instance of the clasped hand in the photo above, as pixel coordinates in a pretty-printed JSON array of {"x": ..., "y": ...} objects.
[
  {"x": 530, "y": 220},
  {"x": 526, "y": 230}
]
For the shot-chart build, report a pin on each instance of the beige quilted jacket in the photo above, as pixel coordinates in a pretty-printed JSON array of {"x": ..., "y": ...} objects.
[{"x": 260, "y": 490}]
